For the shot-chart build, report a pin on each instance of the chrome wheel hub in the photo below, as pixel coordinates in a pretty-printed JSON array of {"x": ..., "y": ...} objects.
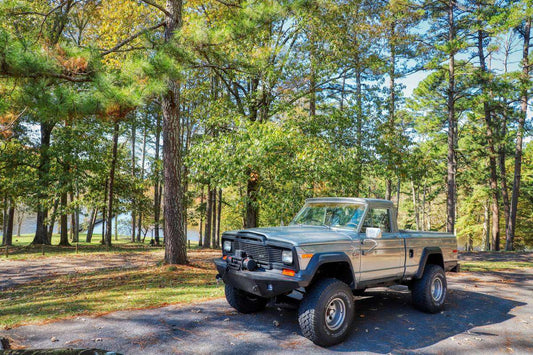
[
  {"x": 437, "y": 289},
  {"x": 335, "y": 314}
]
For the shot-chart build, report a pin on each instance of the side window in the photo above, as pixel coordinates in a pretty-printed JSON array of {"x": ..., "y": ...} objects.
[{"x": 377, "y": 218}]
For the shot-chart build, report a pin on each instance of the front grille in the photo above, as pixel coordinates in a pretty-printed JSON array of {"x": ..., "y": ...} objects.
[{"x": 259, "y": 252}]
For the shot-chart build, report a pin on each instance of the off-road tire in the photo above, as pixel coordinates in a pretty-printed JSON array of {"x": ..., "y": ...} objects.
[
  {"x": 312, "y": 312},
  {"x": 244, "y": 302},
  {"x": 423, "y": 293}
]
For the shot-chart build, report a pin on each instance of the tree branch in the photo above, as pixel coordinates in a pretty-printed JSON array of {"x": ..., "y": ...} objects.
[
  {"x": 131, "y": 38},
  {"x": 159, "y": 7}
]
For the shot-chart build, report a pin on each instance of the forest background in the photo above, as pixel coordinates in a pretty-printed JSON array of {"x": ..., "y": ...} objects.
[{"x": 223, "y": 114}]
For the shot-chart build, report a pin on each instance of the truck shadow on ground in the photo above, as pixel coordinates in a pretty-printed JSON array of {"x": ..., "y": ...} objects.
[{"x": 384, "y": 322}]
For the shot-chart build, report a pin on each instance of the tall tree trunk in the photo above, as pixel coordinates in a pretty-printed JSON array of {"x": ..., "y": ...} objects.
[
  {"x": 486, "y": 229},
  {"x": 90, "y": 228},
  {"x": 219, "y": 215},
  {"x": 175, "y": 238},
  {"x": 157, "y": 183},
  {"x": 41, "y": 232},
  {"x": 133, "y": 164},
  {"x": 388, "y": 189},
  {"x": 252, "y": 208},
  {"x": 53, "y": 220},
  {"x": 214, "y": 219},
  {"x": 104, "y": 211},
  {"x": 208, "y": 219},
  {"x": 5, "y": 207},
  {"x": 111, "y": 184},
  {"x": 143, "y": 157},
  {"x": 200, "y": 236},
  {"x": 398, "y": 191},
  {"x": 74, "y": 220},
  {"x": 493, "y": 179},
  {"x": 452, "y": 124},
  {"x": 415, "y": 205},
  {"x": 7, "y": 238},
  {"x": 63, "y": 235},
  {"x": 359, "y": 134},
  {"x": 524, "y": 80}
]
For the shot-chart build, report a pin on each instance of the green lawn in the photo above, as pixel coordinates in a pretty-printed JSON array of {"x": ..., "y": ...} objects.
[
  {"x": 22, "y": 248},
  {"x": 480, "y": 266},
  {"x": 106, "y": 291}
]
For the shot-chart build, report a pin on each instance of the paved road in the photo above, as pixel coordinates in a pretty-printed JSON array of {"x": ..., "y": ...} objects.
[{"x": 485, "y": 313}]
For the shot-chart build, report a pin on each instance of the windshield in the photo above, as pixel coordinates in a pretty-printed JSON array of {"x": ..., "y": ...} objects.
[{"x": 330, "y": 214}]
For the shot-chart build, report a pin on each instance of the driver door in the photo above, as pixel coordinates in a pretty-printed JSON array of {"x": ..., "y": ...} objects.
[{"x": 382, "y": 255}]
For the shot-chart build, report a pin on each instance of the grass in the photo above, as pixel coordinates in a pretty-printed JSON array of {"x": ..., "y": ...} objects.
[
  {"x": 100, "y": 292},
  {"x": 22, "y": 248},
  {"x": 487, "y": 266}
]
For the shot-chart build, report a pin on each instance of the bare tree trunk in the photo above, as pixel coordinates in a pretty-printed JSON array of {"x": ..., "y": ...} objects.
[
  {"x": 486, "y": 229},
  {"x": 175, "y": 238},
  {"x": 452, "y": 124},
  {"x": 214, "y": 218},
  {"x": 90, "y": 228},
  {"x": 398, "y": 191},
  {"x": 415, "y": 206},
  {"x": 493, "y": 180},
  {"x": 200, "y": 236},
  {"x": 509, "y": 243},
  {"x": 388, "y": 189},
  {"x": 252, "y": 208},
  {"x": 7, "y": 237},
  {"x": 219, "y": 213},
  {"x": 208, "y": 219},
  {"x": 111, "y": 184},
  {"x": 359, "y": 125},
  {"x": 53, "y": 220},
  {"x": 157, "y": 184},
  {"x": 41, "y": 232},
  {"x": 143, "y": 157},
  {"x": 104, "y": 212},
  {"x": 63, "y": 235},
  {"x": 133, "y": 164}
]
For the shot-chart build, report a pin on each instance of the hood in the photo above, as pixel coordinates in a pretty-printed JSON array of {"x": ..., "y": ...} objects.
[{"x": 300, "y": 235}]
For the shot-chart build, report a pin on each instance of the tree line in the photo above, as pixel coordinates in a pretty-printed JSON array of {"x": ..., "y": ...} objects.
[{"x": 228, "y": 114}]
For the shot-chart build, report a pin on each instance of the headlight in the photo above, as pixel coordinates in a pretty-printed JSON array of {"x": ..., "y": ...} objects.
[
  {"x": 286, "y": 257},
  {"x": 227, "y": 246}
]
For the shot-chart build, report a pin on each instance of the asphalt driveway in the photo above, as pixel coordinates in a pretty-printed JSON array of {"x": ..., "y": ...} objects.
[{"x": 485, "y": 313}]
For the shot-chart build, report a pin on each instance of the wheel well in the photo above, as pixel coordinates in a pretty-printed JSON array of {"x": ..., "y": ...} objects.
[
  {"x": 339, "y": 270},
  {"x": 435, "y": 259}
]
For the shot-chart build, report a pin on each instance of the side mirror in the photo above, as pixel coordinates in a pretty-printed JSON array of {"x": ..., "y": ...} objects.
[{"x": 374, "y": 233}]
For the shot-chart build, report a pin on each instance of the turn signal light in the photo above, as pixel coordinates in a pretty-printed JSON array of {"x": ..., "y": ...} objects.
[
  {"x": 224, "y": 257},
  {"x": 455, "y": 250},
  {"x": 307, "y": 256},
  {"x": 288, "y": 272}
]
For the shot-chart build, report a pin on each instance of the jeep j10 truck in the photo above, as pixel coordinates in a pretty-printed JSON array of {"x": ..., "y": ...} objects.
[{"x": 334, "y": 248}]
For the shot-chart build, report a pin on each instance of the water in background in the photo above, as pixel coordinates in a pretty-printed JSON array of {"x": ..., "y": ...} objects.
[{"x": 124, "y": 227}]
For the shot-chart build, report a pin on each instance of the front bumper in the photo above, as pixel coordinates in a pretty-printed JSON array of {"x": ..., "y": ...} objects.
[{"x": 264, "y": 283}]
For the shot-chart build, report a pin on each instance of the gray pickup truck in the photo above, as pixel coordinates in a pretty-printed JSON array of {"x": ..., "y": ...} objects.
[{"x": 334, "y": 248}]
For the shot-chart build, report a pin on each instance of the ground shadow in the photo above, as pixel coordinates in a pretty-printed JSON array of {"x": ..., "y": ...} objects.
[{"x": 385, "y": 321}]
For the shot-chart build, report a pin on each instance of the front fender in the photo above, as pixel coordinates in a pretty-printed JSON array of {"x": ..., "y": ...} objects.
[{"x": 321, "y": 259}]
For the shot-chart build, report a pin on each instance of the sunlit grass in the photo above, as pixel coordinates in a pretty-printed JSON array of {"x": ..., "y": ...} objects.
[
  {"x": 22, "y": 248},
  {"x": 480, "y": 266},
  {"x": 106, "y": 291}
]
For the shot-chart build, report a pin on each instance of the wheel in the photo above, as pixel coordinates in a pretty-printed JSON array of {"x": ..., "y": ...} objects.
[
  {"x": 244, "y": 302},
  {"x": 429, "y": 292},
  {"x": 326, "y": 312}
]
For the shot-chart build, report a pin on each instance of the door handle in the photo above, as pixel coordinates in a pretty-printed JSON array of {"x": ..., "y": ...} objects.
[{"x": 374, "y": 245}]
